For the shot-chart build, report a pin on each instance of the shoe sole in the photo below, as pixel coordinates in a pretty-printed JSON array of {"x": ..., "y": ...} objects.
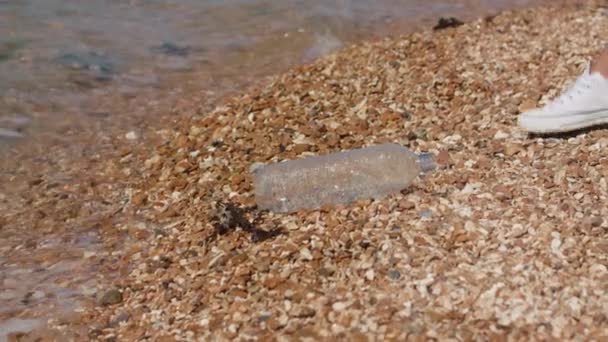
[{"x": 562, "y": 124}]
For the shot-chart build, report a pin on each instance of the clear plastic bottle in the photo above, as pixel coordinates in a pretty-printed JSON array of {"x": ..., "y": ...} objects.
[{"x": 370, "y": 172}]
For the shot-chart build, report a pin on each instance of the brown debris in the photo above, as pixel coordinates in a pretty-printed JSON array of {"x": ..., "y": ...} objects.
[
  {"x": 228, "y": 217},
  {"x": 444, "y": 23}
]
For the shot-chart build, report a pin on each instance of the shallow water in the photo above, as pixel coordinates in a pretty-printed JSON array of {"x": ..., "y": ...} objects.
[{"x": 55, "y": 54}]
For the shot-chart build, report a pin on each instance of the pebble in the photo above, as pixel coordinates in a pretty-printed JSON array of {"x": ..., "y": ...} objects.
[
  {"x": 110, "y": 297},
  {"x": 425, "y": 213},
  {"x": 122, "y": 317},
  {"x": 264, "y": 316},
  {"x": 304, "y": 312},
  {"x": 301, "y": 148},
  {"x": 339, "y": 306},
  {"x": 131, "y": 135},
  {"x": 512, "y": 149},
  {"x": 394, "y": 274},
  {"x": 527, "y": 105},
  {"x": 326, "y": 272},
  {"x": 500, "y": 135},
  {"x": 305, "y": 254},
  {"x": 406, "y": 204}
]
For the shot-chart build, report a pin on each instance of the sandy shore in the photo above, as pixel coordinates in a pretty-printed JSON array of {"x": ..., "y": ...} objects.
[{"x": 507, "y": 240}]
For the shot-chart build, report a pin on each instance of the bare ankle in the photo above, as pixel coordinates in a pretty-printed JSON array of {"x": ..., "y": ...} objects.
[{"x": 600, "y": 64}]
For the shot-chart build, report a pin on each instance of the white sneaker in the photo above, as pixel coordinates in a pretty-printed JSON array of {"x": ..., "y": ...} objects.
[{"x": 585, "y": 104}]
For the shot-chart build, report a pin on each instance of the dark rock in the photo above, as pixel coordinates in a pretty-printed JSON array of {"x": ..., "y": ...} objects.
[
  {"x": 444, "y": 23},
  {"x": 264, "y": 317},
  {"x": 394, "y": 274},
  {"x": 171, "y": 49},
  {"x": 304, "y": 312},
  {"x": 406, "y": 115},
  {"x": 95, "y": 332},
  {"x": 325, "y": 272},
  {"x": 418, "y": 134},
  {"x": 122, "y": 317},
  {"x": 110, "y": 297}
]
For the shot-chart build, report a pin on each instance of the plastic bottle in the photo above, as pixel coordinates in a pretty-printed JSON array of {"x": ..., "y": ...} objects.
[{"x": 371, "y": 172}]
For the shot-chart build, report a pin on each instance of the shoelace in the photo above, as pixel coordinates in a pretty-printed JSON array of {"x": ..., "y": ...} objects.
[{"x": 581, "y": 85}]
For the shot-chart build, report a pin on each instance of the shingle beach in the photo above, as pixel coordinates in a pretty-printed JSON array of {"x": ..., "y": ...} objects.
[{"x": 507, "y": 240}]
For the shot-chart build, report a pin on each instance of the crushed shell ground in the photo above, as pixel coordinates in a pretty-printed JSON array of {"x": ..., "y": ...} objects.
[{"x": 507, "y": 241}]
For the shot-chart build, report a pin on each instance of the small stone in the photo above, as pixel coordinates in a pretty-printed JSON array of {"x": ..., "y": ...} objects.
[
  {"x": 139, "y": 198},
  {"x": 305, "y": 254},
  {"x": 183, "y": 166},
  {"x": 598, "y": 269},
  {"x": 301, "y": 148},
  {"x": 512, "y": 149},
  {"x": 152, "y": 161},
  {"x": 275, "y": 324},
  {"x": 339, "y": 306},
  {"x": 326, "y": 272},
  {"x": 27, "y": 299},
  {"x": 122, "y": 317},
  {"x": 304, "y": 312},
  {"x": 131, "y": 135},
  {"x": 449, "y": 22},
  {"x": 237, "y": 179},
  {"x": 264, "y": 316},
  {"x": 406, "y": 205},
  {"x": 182, "y": 141},
  {"x": 444, "y": 158},
  {"x": 500, "y": 135},
  {"x": 594, "y": 221},
  {"x": 110, "y": 297},
  {"x": 418, "y": 134},
  {"x": 394, "y": 274},
  {"x": 527, "y": 105}
]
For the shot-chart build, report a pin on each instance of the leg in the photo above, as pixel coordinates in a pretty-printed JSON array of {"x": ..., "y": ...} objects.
[
  {"x": 600, "y": 64},
  {"x": 583, "y": 105}
]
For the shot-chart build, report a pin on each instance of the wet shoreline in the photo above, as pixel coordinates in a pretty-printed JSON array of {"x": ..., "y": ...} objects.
[{"x": 59, "y": 88}]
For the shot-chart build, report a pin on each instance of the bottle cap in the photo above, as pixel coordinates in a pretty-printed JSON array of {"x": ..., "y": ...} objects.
[{"x": 426, "y": 162}]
